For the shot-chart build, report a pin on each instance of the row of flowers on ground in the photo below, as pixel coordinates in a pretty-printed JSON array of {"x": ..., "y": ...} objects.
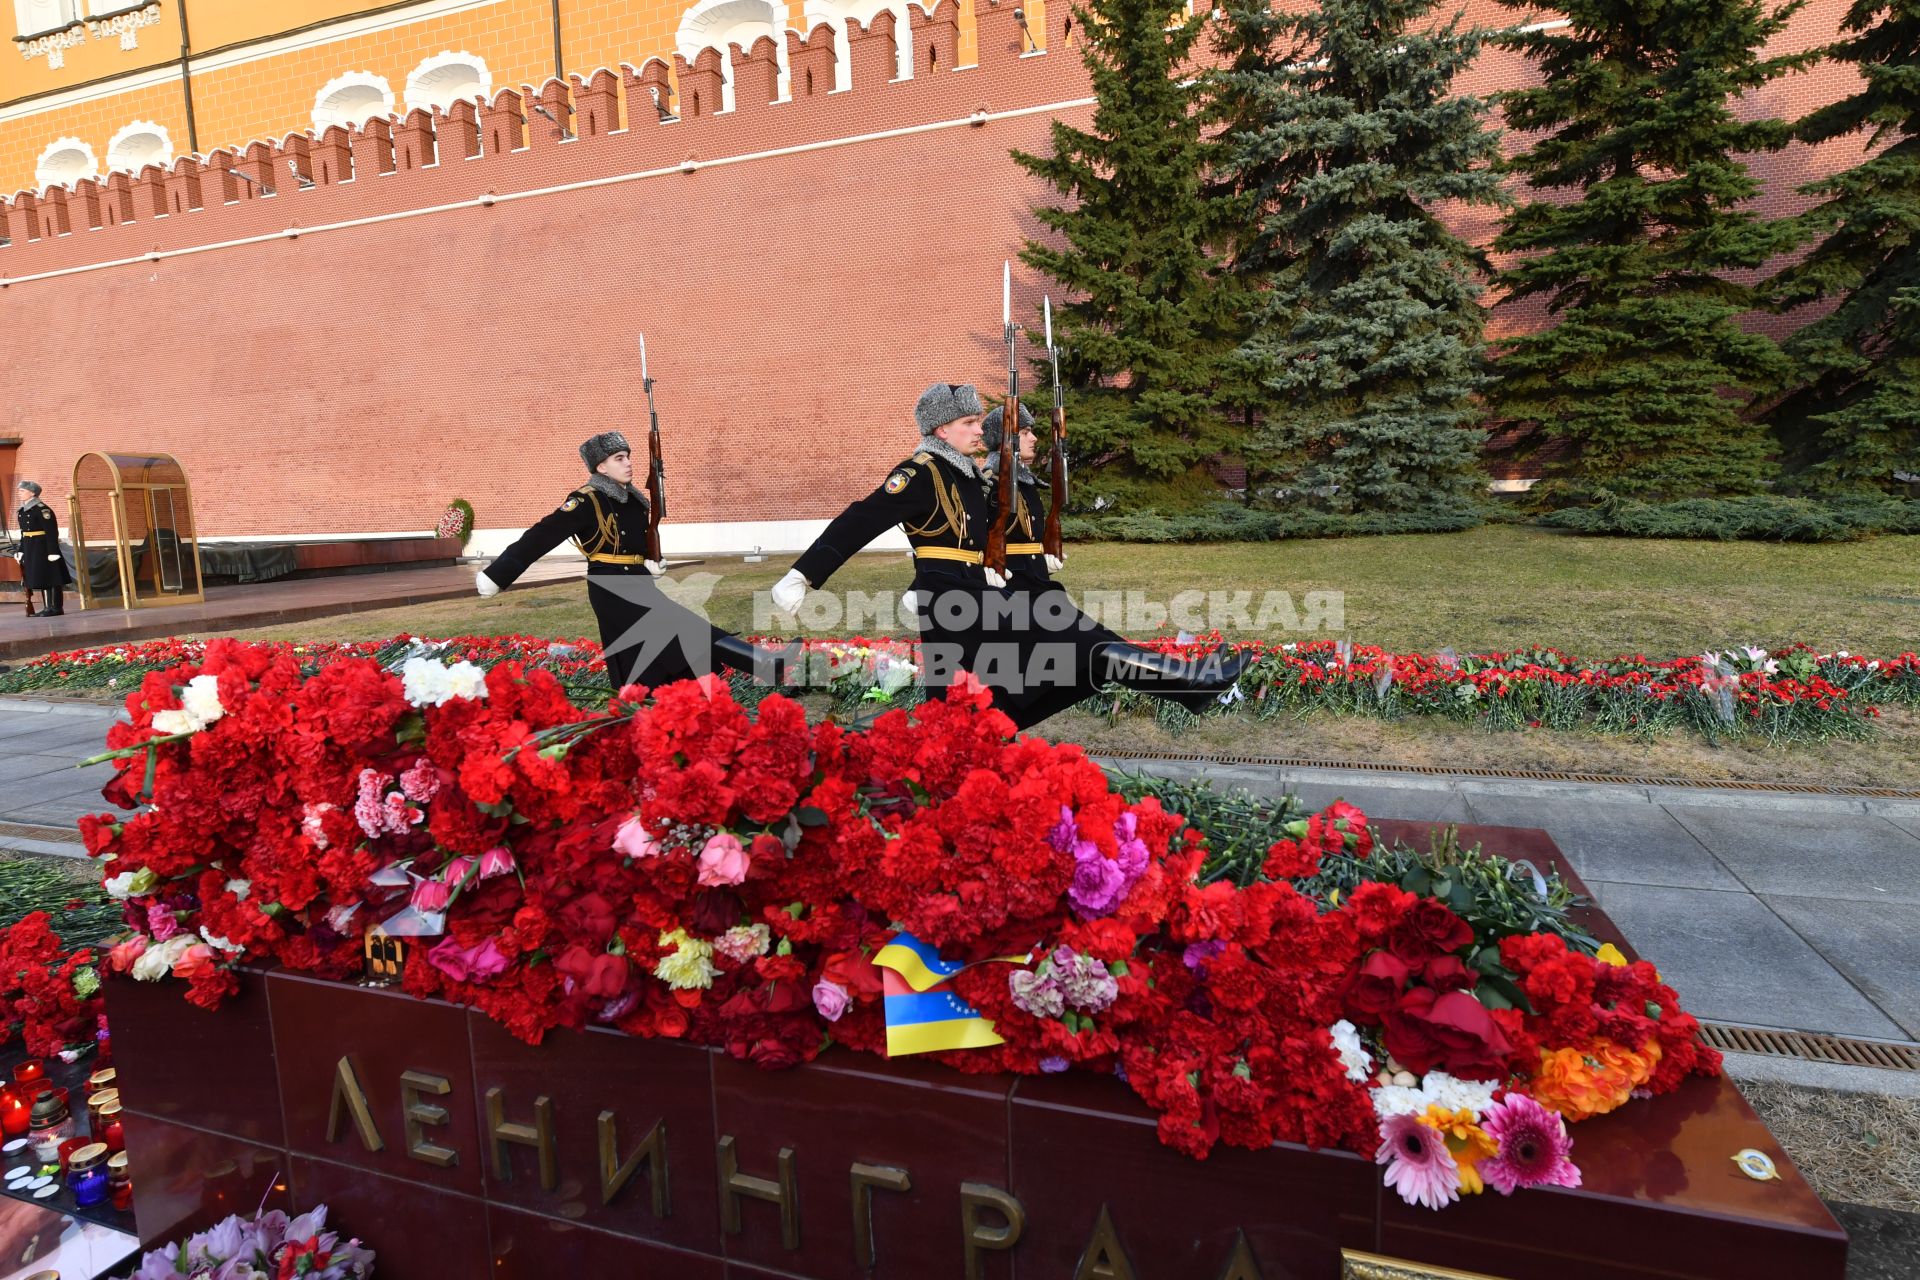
[
  {"x": 687, "y": 867},
  {"x": 1790, "y": 694}
]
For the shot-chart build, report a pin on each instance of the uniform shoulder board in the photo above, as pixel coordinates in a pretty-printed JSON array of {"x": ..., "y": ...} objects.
[
  {"x": 576, "y": 497},
  {"x": 923, "y": 458}
]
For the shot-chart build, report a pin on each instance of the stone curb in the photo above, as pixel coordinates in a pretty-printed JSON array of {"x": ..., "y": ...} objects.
[{"x": 1545, "y": 789}]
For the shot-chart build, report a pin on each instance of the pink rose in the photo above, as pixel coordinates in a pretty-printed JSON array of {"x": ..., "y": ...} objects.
[
  {"x": 467, "y": 964},
  {"x": 450, "y": 958},
  {"x": 122, "y": 956},
  {"x": 486, "y": 961},
  {"x": 633, "y": 841},
  {"x": 723, "y": 861},
  {"x": 831, "y": 999},
  {"x": 497, "y": 861},
  {"x": 192, "y": 962},
  {"x": 431, "y": 895}
]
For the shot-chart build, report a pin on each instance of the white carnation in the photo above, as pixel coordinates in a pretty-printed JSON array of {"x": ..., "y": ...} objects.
[
  {"x": 467, "y": 681},
  {"x": 1353, "y": 1055},
  {"x": 219, "y": 943},
  {"x": 172, "y": 722},
  {"x": 1437, "y": 1088},
  {"x": 429, "y": 683},
  {"x": 201, "y": 700}
]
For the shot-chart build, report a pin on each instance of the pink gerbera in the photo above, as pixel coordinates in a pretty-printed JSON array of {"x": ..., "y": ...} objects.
[
  {"x": 1419, "y": 1166},
  {"x": 1535, "y": 1150}
]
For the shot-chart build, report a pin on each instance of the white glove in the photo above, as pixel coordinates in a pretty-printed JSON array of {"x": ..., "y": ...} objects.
[
  {"x": 53, "y": 557},
  {"x": 909, "y": 603},
  {"x": 995, "y": 578},
  {"x": 790, "y": 591},
  {"x": 486, "y": 586},
  {"x": 1056, "y": 563},
  {"x": 654, "y": 567}
]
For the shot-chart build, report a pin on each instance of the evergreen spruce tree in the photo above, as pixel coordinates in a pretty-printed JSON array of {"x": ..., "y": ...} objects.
[
  {"x": 1856, "y": 408},
  {"x": 1340, "y": 130},
  {"x": 1644, "y": 368},
  {"x": 1148, "y": 318}
]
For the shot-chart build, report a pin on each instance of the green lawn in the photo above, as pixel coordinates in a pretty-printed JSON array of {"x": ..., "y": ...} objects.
[{"x": 1495, "y": 587}]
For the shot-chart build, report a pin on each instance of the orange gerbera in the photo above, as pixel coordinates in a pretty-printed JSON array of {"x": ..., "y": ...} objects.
[{"x": 1468, "y": 1142}]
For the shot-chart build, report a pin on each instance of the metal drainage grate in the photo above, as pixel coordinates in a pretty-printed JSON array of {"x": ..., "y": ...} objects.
[
  {"x": 1474, "y": 771},
  {"x": 26, "y": 831},
  {"x": 1845, "y": 1050}
]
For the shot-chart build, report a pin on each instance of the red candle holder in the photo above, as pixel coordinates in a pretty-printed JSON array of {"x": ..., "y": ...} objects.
[
  {"x": 15, "y": 1113},
  {"x": 29, "y": 1074},
  {"x": 70, "y": 1146}
]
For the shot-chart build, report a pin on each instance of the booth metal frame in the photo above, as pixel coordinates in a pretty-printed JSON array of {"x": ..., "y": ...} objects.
[{"x": 130, "y": 474}]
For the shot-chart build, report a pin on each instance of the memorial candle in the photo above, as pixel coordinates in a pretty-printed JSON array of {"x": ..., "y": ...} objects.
[
  {"x": 119, "y": 1181},
  {"x": 14, "y": 1113},
  {"x": 87, "y": 1175},
  {"x": 29, "y": 1074},
  {"x": 111, "y": 1130}
]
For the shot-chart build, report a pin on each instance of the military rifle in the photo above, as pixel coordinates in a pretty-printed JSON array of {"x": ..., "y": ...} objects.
[
  {"x": 1057, "y": 501},
  {"x": 656, "y": 469},
  {"x": 10, "y": 545},
  {"x": 1006, "y": 490}
]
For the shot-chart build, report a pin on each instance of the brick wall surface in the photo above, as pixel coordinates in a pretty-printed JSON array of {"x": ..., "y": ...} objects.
[{"x": 355, "y": 377}]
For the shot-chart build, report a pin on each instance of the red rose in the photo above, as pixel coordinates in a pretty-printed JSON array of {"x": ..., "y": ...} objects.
[
  {"x": 1450, "y": 1030},
  {"x": 1447, "y": 973},
  {"x": 588, "y": 916},
  {"x": 1374, "y": 987}
]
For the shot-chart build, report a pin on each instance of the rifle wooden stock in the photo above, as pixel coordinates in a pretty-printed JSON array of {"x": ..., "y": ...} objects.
[
  {"x": 1006, "y": 489},
  {"x": 1050, "y": 536},
  {"x": 656, "y": 479}
]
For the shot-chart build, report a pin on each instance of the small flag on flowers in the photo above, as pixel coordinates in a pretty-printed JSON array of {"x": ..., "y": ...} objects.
[{"x": 924, "y": 1013}]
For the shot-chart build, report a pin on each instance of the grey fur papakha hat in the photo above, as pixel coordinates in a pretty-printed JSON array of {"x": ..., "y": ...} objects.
[
  {"x": 943, "y": 402},
  {"x": 603, "y": 446},
  {"x": 990, "y": 429},
  {"x": 30, "y": 487}
]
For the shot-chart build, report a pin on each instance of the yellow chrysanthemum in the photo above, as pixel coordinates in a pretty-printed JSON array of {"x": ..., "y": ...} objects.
[
  {"x": 1469, "y": 1143},
  {"x": 691, "y": 964}
]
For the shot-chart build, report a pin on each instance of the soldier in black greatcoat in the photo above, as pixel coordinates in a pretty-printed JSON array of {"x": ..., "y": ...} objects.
[
  {"x": 1080, "y": 654},
  {"x": 974, "y": 619},
  {"x": 939, "y": 499},
  {"x": 647, "y": 638},
  {"x": 42, "y": 567}
]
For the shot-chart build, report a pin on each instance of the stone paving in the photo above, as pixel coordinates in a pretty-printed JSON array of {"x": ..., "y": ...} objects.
[
  {"x": 263, "y": 604},
  {"x": 1764, "y": 908}
]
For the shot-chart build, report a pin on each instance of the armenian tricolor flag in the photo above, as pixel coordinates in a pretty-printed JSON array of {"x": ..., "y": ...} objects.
[{"x": 924, "y": 1013}]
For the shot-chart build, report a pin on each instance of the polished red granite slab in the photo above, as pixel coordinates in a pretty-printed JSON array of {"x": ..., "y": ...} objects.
[{"x": 458, "y": 1152}]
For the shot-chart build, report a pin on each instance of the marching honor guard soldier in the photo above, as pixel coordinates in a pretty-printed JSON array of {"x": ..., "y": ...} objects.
[
  {"x": 646, "y": 637},
  {"x": 42, "y": 567},
  {"x": 938, "y": 498},
  {"x": 1061, "y": 638}
]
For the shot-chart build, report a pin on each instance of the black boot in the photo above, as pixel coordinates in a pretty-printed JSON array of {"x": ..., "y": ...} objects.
[
  {"x": 54, "y": 608},
  {"x": 766, "y": 666},
  {"x": 1194, "y": 683}
]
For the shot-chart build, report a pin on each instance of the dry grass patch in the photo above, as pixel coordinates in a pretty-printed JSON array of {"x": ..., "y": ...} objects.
[{"x": 1862, "y": 1148}]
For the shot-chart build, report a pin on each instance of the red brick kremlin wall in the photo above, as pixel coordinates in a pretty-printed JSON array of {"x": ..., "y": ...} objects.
[{"x": 433, "y": 319}]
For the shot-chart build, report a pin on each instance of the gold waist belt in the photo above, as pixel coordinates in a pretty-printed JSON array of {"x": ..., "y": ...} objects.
[
  {"x": 1025, "y": 549},
  {"x": 34, "y": 533},
  {"x": 946, "y": 553},
  {"x": 608, "y": 557}
]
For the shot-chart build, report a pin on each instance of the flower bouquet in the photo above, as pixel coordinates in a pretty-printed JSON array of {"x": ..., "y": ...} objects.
[
  {"x": 676, "y": 866},
  {"x": 267, "y": 1246}
]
